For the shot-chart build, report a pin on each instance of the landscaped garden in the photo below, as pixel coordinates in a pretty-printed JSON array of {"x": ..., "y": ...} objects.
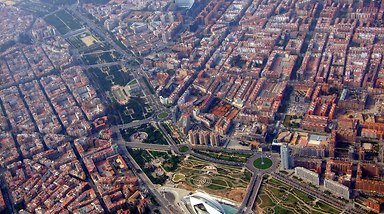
[
  {"x": 156, "y": 164},
  {"x": 277, "y": 197},
  {"x": 226, "y": 181},
  {"x": 154, "y": 134},
  {"x": 227, "y": 156},
  {"x": 63, "y": 21}
]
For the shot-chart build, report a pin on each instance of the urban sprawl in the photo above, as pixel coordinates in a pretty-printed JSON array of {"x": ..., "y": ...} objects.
[{"x": 191, "y": 106}]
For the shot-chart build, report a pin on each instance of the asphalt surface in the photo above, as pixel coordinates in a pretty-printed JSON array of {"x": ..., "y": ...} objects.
[
  {"x": 136, "y": 145},
  {"x": 108, "y": 64},
  {"x": 317, "y": 194},
  {"x": 168, "y": 207},
  {"x": 165, "y": 205}
]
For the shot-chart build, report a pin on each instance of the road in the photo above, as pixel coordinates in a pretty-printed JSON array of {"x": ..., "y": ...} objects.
[
  {"x": 165, "y": 204},
  {"x": 257, "y": 179},
  {"x": 215, "y": 160},
  {"x": 222, "y": 149},
  {"x": 137, "y": 145},
  {"x": 73, "y": 33},
  {"x": 275, "y": 162},
  {"x": 108, "y": 38},
  {"x": 248, "y": 194},
  {"x": 108, "y": 64},
  {"x": 252, "y": 192},
  {"x": 158, "y": 107},
  {"x": 253, "y": 195},
  {"x": 132, "y": 124},
  {"x": 253, "y": 187},
  {"x": 154, "y": 102},
  {"x": 100, "y": 31},
  {"x": 168, "y": 137},
  {"x": 317, "y": 194}
]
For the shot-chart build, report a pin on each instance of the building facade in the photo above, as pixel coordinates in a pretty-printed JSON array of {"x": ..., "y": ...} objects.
[
  {"x": 285, "y": 157},
  {"x": 337, "y": 188},
  {"x": 307, "y": 175}
]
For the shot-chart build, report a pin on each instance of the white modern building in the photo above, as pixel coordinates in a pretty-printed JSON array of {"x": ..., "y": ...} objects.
[
  {"x": 337, "y": 188},
  {"x": 185, "y": 3},
  {"x": 307, "y": 175},
  {"x": 204, "y": 204}
]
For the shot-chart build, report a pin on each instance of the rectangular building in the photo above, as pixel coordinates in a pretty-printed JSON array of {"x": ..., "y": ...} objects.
[
  {"x": 285, "y": 157},
  {"x": 307, "y": 175},
  {"x": 337, "y": 188}
]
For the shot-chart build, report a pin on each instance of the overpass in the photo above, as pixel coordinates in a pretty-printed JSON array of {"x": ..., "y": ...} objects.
[
  {"x": 317, "y": 194},
  {"x": 136, "y": 145},
  {"x": 132, "y": 124},
  {"x": 166, "y": 206},
  {"x": 101, "y": 65}
]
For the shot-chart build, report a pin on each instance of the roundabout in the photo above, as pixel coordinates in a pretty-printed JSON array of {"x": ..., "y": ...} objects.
[
  {"x": 262, "y": 163},
  {"x": 183, "y": 149},
  {"x": 162, "y": 115}
]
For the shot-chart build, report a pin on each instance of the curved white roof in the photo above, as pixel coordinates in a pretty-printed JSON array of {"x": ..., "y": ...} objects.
[
  {"x": 211, "y": 205},
  {"x": 184, "y": 3}
]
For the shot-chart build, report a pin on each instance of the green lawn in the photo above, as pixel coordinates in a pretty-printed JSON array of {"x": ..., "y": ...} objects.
[
  {"x": 162, "y": 115},
  {"x": 265, "y": 201},
  {"x": 98, "y": 58},
  {"x": 278, "y": 197},
  {"x": 69, "y": 20},
  {"x": 225, "y": 179},
  {"x": 183, "y": 149},
  {"x": 142, "y": 157},
  {"x": 154, "y": 134},
  {"x": 57, "y": 23},
  {"x": 306, "y": 198},
  {"x": 132, "y": 83},
  {"x": 280, "y": 210},
  {"x": 63, "y": 21},
  {"x": 218, "y": 184},
  {"x": 37, "y": 8},
  {"x": 178, "y": 177},
  {"x": 262, "y": 163},
  {"x": 228, "y": 156},
  {"x": 136, "y": 104},
  {"x": 216, "y": 187},
  {"x": 326, "y": 208}
]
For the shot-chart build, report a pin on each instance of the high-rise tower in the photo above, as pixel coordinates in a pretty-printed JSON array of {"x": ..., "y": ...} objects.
[{"x": 285, "y": 157}]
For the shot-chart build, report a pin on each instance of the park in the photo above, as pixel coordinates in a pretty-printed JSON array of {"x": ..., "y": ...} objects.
[{"x": 277, "y": 197}]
